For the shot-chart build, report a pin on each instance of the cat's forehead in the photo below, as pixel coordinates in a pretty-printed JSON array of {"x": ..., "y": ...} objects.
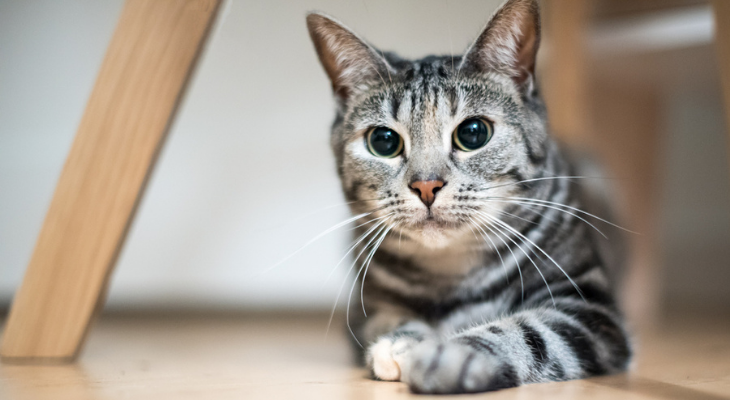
[
  {"x": 426, "y": 76},
  {"x": 431, "y": 88}
]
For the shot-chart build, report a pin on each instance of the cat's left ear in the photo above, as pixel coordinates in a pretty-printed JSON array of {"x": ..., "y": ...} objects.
[
  {"x": 508, "y": 44},
  {"x": 350, "y": 63}
]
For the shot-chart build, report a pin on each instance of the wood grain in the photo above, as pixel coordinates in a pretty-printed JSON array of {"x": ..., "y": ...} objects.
[
  {"x": 564, "y": 80},
  {"x": 721, "y": 9},
  {"x": 140, "y": 83}
]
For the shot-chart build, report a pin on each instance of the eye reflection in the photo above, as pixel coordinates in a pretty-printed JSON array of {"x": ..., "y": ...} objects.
[
  {"x": 472, "y": 134},
  {"x": 384, "y": 142}
]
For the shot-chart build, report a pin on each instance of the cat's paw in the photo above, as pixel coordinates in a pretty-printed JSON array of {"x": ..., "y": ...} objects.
[
  {"x": 455, "y": 367},
  {"x": 387, "y": 356}
]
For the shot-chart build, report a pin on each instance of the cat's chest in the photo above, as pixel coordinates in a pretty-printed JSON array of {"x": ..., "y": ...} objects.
[{"x": 470, "y": 314}]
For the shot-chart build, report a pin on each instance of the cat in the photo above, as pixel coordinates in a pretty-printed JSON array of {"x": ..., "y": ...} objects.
[{"x": 478, "y": 269}]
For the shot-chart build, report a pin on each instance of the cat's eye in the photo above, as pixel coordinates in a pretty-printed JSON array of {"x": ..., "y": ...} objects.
[
  {"x": 384, "y": 142},
  {"x": 473, "y": 134}
]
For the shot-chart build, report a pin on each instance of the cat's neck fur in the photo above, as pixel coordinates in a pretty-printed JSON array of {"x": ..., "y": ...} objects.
[{"x": 457, "y": 259}]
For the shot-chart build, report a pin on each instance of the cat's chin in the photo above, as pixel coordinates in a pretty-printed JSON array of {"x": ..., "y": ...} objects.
[{"x": 434, "y": 234}]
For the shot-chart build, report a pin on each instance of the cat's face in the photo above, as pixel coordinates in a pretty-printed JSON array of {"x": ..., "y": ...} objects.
[{"x": 429, "y": 146}]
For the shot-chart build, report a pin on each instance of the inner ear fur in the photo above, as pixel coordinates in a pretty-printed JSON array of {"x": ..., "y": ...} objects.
[
  {"x": 508, "y": 43},
  {"x": 349, "y": 61}
]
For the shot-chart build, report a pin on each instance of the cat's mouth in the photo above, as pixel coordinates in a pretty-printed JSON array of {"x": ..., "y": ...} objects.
[
  {"x": 433, "y": 230},
  {"x": 432, "y": 221}
]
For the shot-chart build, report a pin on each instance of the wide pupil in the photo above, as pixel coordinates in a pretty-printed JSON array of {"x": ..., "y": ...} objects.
[
  {"x": 473, "y": 134},
  {"x": 384, "y": 141}
]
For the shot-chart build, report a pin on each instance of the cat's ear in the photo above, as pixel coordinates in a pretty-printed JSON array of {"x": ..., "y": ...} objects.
[
  {"x": 350, "y": 63},
  {"x": 509, "y": 43}
]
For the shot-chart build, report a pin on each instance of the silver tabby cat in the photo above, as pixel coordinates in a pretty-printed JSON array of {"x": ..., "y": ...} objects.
[{"x": 477, "y": 268}]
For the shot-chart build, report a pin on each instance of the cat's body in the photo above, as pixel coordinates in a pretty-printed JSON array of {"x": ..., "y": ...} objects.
[{"x": 477, "y": 270}]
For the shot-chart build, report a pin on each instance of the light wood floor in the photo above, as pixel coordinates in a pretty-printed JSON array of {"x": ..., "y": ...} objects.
[{"x": 268, "y": 357}]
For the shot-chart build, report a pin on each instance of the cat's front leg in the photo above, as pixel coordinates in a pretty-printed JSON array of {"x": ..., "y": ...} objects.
[
  {"x": 539, "y": 345},
  {"x": 387, "y": 355},
  {"x": 457, "y": 366}
]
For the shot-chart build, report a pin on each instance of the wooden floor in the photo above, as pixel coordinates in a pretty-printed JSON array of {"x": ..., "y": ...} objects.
[{"x": 269, "y": 357}]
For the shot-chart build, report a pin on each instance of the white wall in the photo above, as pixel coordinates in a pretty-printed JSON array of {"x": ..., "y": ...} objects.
[{"x": 247, "y": 155}]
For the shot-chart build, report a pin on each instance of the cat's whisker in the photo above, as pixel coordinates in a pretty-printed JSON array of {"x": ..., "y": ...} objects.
[
  {"x": 330, "y": 230},
  {"x": 496, "y": 227},
  {"x": 293, "y": 220},
  {"x": 528, "y": 208},
  {"x": 368, "y": 261},
  {"x": 473, "y": 232},
  {"x": 520, "y": 218},
  {"x": 374, "y": 211},
  {"x": 331, "y": 206},
  {"x": 339, "y": 292},
  {"x": 347, "y": 309},
  {"x": 509, "y": 214},
  {"x": 494, "y": 246},
  {"x": 574, "y": 209},
  {"x": 355, "y": 243},
  {"x": 517, "y": 262},
  {"x": 545, "y": 178},
  {"x": 525, "y": 238},
  {"x": 364, "y": 268},
  {"x": 342, "y": 286},
  {"x": 536, "y": 212},
  {"x": 522, "y": 202}
]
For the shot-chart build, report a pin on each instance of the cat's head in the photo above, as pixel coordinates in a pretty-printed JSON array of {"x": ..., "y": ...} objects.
[{"x": 428, "y": 145}]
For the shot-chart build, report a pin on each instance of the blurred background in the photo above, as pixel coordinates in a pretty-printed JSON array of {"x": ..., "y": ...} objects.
[{"x": 246, "y": 177}]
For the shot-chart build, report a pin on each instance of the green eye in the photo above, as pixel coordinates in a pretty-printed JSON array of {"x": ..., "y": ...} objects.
[
  {"x": 384, "y": 142},
  {"x": 472, "y": 134}
]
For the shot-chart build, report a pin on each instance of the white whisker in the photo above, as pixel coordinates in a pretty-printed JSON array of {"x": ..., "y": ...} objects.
[
  {"x": 367, "y": 265},
  {"x": 514, "y": 257},
  {"x": 355, "y": 243},
  {"x": 512, "y": 215},
  {"x": 519, "y": 234},
  {"x": 334, "y": 228},
  {"x": 349, "y": 298},
  {"x": 541, "y": 179},
  {"x": 327, "y": 208},
  {"x": 493, "y": 199},
  {"x": 522, "y": 250},
  {"x": 574, "y": 209},
  {"x": 494, "y": 246},
  {"x": 342, "y": 286},
  {"x": 542, "y": 215}
]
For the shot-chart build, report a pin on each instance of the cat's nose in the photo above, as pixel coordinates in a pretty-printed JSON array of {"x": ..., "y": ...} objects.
[{"x": 427, "y": 190}]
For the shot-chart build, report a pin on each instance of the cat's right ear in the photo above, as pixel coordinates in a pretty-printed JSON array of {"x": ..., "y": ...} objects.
[
  {"x": 508, "y": 44},
  {"x": 350, "y": 63}
]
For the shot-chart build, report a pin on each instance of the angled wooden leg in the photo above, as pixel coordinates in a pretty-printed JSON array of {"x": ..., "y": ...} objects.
[
  {"x": 140, "y": 83},
  {"x": 721, "y": 8},
  {"x": 566, "y": 22},
  {"x": 618, "y": 123}
]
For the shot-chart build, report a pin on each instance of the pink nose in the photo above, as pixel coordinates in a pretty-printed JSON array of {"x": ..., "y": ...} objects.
[{"x": 427, "y": 190}]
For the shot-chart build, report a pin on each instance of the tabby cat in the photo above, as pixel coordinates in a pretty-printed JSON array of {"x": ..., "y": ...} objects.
[{"x": 477, "y": 268}]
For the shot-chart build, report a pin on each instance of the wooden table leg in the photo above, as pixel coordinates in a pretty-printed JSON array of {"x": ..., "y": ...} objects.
[
  {"x": 721, "y": 9},
  {"x": 140, "y": 83},
  {"x": 566, "y": 23},
  {"x": 617, "y": 122}
]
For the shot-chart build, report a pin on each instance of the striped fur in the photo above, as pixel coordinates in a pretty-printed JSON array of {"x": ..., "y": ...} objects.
[{"x": 491, "y": 287}]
